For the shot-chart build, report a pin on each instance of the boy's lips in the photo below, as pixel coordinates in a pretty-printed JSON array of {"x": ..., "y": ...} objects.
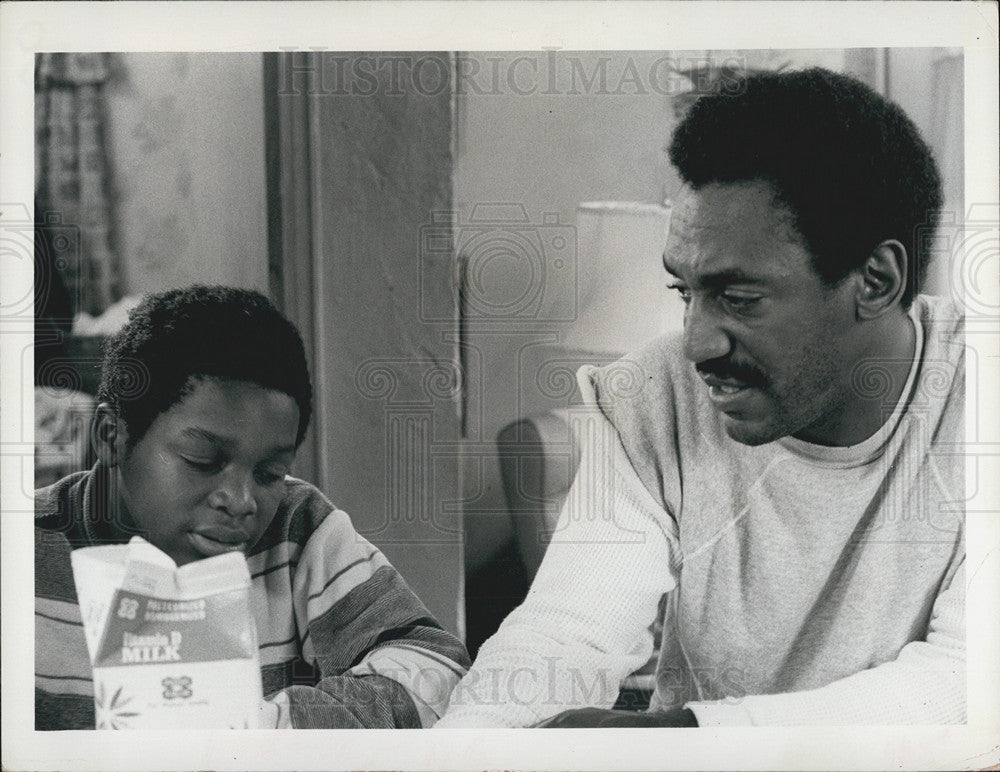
[{"x": 218, "y": 541}]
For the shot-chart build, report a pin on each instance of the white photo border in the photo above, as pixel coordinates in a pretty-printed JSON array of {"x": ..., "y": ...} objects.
[{"x": 27, "y": 28}]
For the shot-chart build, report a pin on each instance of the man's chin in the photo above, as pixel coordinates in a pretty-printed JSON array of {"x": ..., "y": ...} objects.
[{"x": 748, "y": 432}]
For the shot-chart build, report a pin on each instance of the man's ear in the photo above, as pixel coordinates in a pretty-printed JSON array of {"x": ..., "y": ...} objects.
[
  {"x": 882, "y": 280},
  {"x": 108, "y": 435}
]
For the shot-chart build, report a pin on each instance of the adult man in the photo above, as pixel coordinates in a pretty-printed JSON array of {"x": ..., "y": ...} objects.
[{"x": 785, "y": 474}]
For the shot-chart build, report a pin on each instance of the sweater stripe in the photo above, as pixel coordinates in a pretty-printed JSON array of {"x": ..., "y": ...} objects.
[
  {"x": 291, "y": 640},
  {"x": 305, "y": 573},
  {"x": 340, "y": 573},
  {"x": 66, "y": 685},
  {"x": 59, "y": 619},
  {"x": 270, "y": 569}
]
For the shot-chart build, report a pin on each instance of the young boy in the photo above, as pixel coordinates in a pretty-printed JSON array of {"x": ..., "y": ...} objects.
[{"x": 204, "y": 398}]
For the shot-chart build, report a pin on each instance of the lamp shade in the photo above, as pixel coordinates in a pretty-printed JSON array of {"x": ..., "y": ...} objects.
[{"x": 623, "y": 297}]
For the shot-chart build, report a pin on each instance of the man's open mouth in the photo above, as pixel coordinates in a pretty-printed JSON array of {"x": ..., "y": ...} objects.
[
  {"x": 728, "y": 388},
  {"x": 724, "y": 385},
  {"x": 724, "y": 391}
]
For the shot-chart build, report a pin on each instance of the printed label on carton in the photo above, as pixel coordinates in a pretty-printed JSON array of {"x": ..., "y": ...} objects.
[{"x": 171, "y": 648}]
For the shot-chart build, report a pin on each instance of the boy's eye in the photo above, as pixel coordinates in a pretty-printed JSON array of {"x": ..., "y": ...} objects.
[
  {"x": 268, "y": 477},
  {"x": 202, "y": 465}
]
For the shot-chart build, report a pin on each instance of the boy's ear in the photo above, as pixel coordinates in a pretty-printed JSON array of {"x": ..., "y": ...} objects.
[{"x": 108, "y": 435}]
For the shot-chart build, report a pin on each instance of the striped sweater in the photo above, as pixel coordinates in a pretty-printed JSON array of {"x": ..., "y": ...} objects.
[{"x": 342, "y": 637}]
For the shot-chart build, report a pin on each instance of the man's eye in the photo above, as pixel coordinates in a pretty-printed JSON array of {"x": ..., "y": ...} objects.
[{"x": 740, "y": 302}]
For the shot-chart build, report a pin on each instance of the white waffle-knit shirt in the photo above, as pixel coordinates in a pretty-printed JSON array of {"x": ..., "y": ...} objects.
[{"x": 804, "y": 584}]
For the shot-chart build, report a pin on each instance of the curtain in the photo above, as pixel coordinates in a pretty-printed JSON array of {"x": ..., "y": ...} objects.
[{"x": 72, "y": 176}]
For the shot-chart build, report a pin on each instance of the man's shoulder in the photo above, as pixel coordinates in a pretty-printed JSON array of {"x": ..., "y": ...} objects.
[
  {"x": 942, "y": 370},
  {"x": 660, "y": 411},
  {"x": 940, "y": 317},
  {"x": 654, "y": 391},
  {"x": 651, "y": 374}
]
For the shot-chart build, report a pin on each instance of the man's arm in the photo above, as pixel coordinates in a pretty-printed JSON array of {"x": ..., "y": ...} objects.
[
  {"x": 925, "y": 684},
  {"x": 585, "y": 623},
  {"x": 384, "y": 660}
]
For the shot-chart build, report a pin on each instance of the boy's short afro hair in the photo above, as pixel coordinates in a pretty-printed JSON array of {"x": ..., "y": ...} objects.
[
  {"x": 849, "y": 164},
  {"x": 218, "y": 332}
]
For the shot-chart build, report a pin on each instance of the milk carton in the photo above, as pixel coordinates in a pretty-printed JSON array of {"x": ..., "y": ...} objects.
[{"x": 171, "y": 648}]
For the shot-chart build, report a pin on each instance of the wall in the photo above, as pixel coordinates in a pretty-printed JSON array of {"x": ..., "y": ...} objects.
[
  {"x": 368, "y": 276},
  {"x": 185, "y": 136},
  {"x": 929, "y": 85},
  {"x": 546, "y": 152}
]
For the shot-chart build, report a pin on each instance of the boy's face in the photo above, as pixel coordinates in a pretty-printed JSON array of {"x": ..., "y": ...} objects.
[{"x": 208, "y": 475}]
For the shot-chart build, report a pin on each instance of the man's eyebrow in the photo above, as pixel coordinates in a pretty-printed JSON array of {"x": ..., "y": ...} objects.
[
  {"x": 729, "y": 276},
  {"x": 719, "y": 278}
]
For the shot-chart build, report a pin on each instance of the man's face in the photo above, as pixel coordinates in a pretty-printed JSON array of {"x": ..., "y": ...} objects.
[
  {"x": 772, "y": 342},
  {"x": 208, "y": 475}
]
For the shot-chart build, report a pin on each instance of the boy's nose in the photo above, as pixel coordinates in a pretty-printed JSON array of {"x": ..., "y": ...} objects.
[{"x": 235, "y": 496}]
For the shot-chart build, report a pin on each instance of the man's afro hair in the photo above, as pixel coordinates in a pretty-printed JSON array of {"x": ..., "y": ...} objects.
[{"x": 849, "y": 164}]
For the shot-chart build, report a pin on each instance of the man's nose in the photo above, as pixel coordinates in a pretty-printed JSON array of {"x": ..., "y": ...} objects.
[
  {"x": 704, "y": 337},
  {"x": 235, "y": 494}
]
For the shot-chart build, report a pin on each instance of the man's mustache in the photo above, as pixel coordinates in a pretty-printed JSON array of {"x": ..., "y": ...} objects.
[{"x": 728, "y": 369}]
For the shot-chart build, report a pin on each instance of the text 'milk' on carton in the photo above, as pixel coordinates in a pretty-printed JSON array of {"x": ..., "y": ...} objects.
[{"x": 171, "y": 648}]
